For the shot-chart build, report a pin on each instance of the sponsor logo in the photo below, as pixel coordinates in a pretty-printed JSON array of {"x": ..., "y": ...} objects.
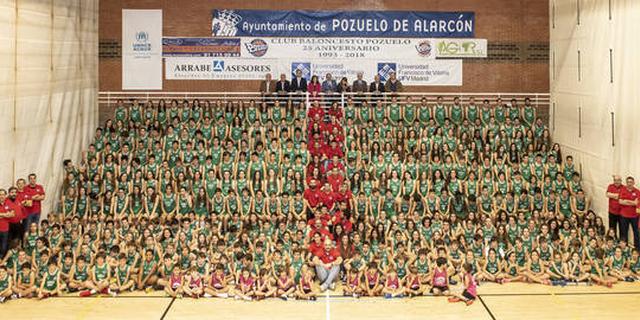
[
  {"x": 305, "y": 67},
  {"x": 142, "y": 42},
  {"x": 224, "y": 23},
  {"x": 218, "y": 66},
  {"x": 385, "y": 69},
  {"x": 424, "y": 48},
  {"x": 257, "y": 47},
  {"x": 459, "y": 48}
]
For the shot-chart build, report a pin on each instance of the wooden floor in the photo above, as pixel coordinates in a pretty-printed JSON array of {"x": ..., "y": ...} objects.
[{"x": 511, "y": 301}]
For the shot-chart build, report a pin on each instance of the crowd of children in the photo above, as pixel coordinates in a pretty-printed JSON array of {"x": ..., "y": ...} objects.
[{"x": 234, "y": 199}]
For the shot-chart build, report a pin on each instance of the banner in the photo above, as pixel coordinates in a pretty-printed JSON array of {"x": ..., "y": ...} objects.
[
  {"x": 303, "y": 23},
  {"x": 200, "y": 47},
  {"x": 461, "y": 48},
  {"x": 338, "y": 48},
  {"x": 141, "y": 49},
  {"x": 218, "y": 69},
  {"x": 409, "y": 72}
]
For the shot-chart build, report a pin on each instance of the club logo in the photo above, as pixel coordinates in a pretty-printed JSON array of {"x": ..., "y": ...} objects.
[
  {"x": 424, "y": 48},
  {"x": 257, "y": 47},
  {"x": 142, "y": 45},
  {"x": 224, "y": 23}
]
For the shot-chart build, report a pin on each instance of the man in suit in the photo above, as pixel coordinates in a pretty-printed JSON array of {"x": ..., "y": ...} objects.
[
  {"x": 283, "y": 86},
  {"x": 267, "y": 86},
  {"x": 393, "y": 84},
  {"x": 329, "y": 85},
  {"x": 359, "y": 85},
  {"x": 299, "y": 84},
  {"x": 376, "y": 86}
]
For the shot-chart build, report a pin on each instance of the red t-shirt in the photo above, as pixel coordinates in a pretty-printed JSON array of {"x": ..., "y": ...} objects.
[
  {"x": 312, "y": 196},
  {"x": 328, "y": 199},
  {"x": 4, "y": 222},
  {"x": 328, "y": 256},
  {"x": 17, "y": 210},
  {"x": 626, "y": 194},
  {"x": 335, "y": 181},
  {"x": 316, "y": 248},
  {"x": 37, "y": 190},
  {"x": 614, "y": 204}
]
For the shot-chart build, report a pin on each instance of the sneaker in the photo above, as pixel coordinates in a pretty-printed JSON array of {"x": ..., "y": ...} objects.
[
  {"x": 313, "y": 298},
  {"x": 105, "y": 291},
  {"x": 93, "y": 291},
  {"x": 400, "y": 295},
  {"x": 206, "y": 295},
  {"x": 469, "y": 302},
  {"x": 387, "y": 296},
  {"x": 453, "y": 282},
  {"x": 355, "y": 295},
  {"x": 14, "y": 296},
  {"x": 284, "y": 297},
  {"x": 323, "y": 287},
  {"x": 453, "y": 299},
  {"x": 85, "y": 293},
  {"x": 332, "y": 286},
  {"x": 2, "y": 299}
]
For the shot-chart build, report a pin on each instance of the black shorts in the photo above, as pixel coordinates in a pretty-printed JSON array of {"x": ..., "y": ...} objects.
[
  {"x": 442, "y": 289},
  {"x": 468, "y": 295}
]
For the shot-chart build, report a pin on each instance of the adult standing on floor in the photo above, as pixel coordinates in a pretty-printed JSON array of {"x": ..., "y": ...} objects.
[
  {"x": 16, "y": 230},
  {"x": 6, "y": 213},
  {"x": 36, "y": 193},
  {"x": 628, "y": 211},
  {"x": 327, "y": 263},
  {"x": 613, "y": 193}
]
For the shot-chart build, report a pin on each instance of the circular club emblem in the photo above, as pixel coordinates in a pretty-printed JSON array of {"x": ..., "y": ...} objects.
[
  {"x": 257, "y": 47},
  {"x": 424, "y": 48}
]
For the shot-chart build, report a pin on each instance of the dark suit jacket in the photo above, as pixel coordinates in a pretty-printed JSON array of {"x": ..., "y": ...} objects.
[
  {"x": 359, "y": 86},
  {"x": 263, "y": 86},
  {"x": 299, "y": 84},
  {"x": 286, "y": 86},
  {"x": 379, "y": 87}
]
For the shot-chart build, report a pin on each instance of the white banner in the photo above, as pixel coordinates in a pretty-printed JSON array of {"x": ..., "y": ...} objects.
[
  {"x": 338, "y": 48},
  {"x": 141, "y": 49},
  {"x": 180, "y": 68},
  {"x": 410, "y": 72},
  {"x": 460, "y": 48}
]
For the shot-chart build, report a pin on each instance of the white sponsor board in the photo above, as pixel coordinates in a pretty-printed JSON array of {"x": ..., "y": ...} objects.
[
  {"x": 141, "y": 49},
  {"x": 410, "y": 72},
  {"x": 217, "y": 69},
  {"x": 338, "y": 48},
  {"x": 460, "y": 48}
]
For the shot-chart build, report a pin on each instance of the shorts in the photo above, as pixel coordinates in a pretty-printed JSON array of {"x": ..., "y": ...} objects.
[
  {"x": 441, "y": 288},
  {"x": 468, "y": 295}
]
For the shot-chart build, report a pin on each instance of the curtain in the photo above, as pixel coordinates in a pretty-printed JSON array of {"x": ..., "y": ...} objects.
[
  {"x": 48, "y": 88},
  {"x": 594, "y": 89}
]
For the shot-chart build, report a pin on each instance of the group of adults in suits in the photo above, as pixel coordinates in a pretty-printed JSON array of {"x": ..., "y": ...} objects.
[{"x": 329, "y": 85}]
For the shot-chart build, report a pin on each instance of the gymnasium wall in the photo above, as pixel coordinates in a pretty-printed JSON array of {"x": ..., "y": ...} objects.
[
  {"x": 594, "y": 88},
  {"x": 48, "y": 88},
  {"x": 517, "y": 33}
]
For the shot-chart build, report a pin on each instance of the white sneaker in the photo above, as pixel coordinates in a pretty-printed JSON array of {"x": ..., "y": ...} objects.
[
  {"x": 2, "y": 299},
  {"x": 206, "y": 295},
  {"x": 323, "y": 287},
  {"x": 332, "y": 286},
  {"x": 222, "y": 295}
]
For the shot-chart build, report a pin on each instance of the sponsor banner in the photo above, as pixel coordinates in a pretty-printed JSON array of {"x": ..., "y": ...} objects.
[
  {"x": 338, "y": 48},
  {"x": 200, "y": 47},
  {"x": 141, "y": 49},
  {"x": 410, "y": 72},
  {"x": 304, "y": 23},
  {"x": 178, "y": 68},
  {"x": 460, "y": 48}
]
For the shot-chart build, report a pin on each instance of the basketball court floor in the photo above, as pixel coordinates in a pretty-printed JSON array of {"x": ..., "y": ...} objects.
[{"x": 512, "y": 301}]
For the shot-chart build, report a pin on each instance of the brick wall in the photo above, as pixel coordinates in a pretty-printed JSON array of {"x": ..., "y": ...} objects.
[{"x": 517, "y": 32}]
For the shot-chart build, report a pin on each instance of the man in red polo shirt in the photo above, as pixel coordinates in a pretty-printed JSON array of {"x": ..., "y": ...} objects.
[
  {"x": 6, "y": 213},
  {"x": 15, "y": 223},
  {"x": 613, "y": 193},
  {"x": 628, "y": 216},
  {"x": 327, "y": 263},
  {"x": 36, "y": 192}
]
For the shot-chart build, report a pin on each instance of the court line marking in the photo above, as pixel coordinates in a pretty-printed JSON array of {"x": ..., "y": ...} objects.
[
  {"x": 167, "y": 309},
  {"x": 326, "y": 296},
  {"x": 487, "y": 308}
]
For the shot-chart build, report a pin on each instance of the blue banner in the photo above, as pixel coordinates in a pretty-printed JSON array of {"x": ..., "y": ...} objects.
[{"x": 303, "y": 23}]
